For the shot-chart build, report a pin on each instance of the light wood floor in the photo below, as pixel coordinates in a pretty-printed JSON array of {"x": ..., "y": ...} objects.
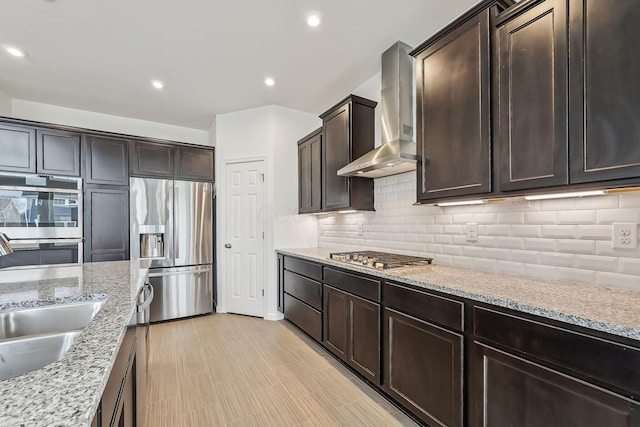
[{"x": 230, "y": 370}]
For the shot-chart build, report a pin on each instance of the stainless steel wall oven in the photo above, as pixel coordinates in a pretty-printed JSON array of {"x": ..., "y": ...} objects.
[{"x": 42, "y": 217}]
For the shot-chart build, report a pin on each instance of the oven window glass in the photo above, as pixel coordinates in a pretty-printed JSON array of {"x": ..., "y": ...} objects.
[{"x": 36, "y": 209}]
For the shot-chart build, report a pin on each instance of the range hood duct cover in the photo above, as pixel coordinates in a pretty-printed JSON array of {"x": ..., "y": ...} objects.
[{"x": 397, "y": 154}]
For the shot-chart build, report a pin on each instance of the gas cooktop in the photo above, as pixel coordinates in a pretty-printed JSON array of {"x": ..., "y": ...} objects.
[{"x": 379, "y": 260}]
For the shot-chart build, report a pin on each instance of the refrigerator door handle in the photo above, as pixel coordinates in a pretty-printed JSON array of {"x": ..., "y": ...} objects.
[
  {"x": 178, "y": 273},
  {"x": 176, "y": 222}
]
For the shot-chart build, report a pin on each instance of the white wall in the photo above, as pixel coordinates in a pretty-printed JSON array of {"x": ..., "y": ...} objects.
[
  {"x": 372, "y": 89},
  {"x": 270, "y": 133},
  {"x": 48, "y": 113},
  {"x": 564, "y": 239},
  {"x": 5, "y": 104}
]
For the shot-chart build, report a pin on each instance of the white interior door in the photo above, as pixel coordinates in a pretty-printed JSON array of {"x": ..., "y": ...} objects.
[{"x": 244, "y": 237}]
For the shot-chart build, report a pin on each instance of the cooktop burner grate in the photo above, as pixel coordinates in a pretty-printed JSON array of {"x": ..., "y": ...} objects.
[{"x": 379, "y": 260}]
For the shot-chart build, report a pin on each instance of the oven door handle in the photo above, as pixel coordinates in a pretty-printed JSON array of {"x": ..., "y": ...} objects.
[{"x": 147, "y": 302}]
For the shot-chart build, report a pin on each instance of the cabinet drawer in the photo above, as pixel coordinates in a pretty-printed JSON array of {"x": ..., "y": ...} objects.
[
  {"x": 304, "y": 289},
  {"x": 425, "y": 306},
  {"x": 358, "y": 285},
  {"x": 306, "y": 268},
  {"x": 303, "y": 316},
  {"x": 606, "y": 362}
]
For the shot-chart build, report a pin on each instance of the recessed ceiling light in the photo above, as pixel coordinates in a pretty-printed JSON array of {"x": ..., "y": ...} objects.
[
  {"x": 157, "y": 84},
  {"x": 14, "y": 51},
  {"x": 313, "y": 20},
  {"x": 269, "y": 81}
]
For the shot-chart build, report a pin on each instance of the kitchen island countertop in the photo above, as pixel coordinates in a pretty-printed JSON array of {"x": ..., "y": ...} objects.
[
  {"x": 614, "y": 311},
  {"x": 68, "y": 392}
]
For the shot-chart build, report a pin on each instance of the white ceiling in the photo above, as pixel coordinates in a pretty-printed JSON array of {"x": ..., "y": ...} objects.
[{"x": 100, "y": 55}]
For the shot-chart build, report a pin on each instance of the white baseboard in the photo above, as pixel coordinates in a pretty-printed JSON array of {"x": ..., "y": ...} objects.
[{"x": 274, "y": 316}]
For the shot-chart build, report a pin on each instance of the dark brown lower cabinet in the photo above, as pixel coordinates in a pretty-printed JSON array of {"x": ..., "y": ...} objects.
[
  {"x": 118, "y": 399},
  {"x": 303, "y": 316},
  {"x": 352, "y": 331},
  {"x": 512, "y": 391},
  {"x": 424, "y": 368},
  {"x": 336, "y": 321}
]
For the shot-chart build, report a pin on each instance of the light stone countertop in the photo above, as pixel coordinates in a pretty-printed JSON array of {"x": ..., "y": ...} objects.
[
  {"x": 613, "y": 311},
  {"x": 67, "y": 392}
]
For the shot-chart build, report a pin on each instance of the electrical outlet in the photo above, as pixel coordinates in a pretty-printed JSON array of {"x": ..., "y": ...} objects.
[
  {"x": 471, "y": 230},
  {"x": 360, "y": 229},
  {"x": 624, "y": 235}
]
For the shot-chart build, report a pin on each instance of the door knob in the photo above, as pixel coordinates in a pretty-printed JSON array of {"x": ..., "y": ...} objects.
[{"x": 227, "y": 245}]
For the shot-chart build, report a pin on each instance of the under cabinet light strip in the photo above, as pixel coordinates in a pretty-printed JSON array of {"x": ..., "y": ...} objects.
[
  {"x": 623, "y": 190},
  {"x": 463, "y": 203},
  {"x": 566, "y": 195}
]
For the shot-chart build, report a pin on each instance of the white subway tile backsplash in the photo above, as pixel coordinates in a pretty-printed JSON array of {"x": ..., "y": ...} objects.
[
  {"x": 549, "y": 245},
  {"x": 596, "y": 262},
  {"x": 529, "y": 257},
  {"x": 630, "y": 200},
  {"x": 577, "y": 217},
  {"x": 485, "y": 218},
  {"x": 559, "y": 231},
  {"x": 577, "y": 246},
  {"x": 509, "y": 242},
  {"x": 526, "y": 230},
  {"x": 563, "y": 239},
  {"x": 617, "y": 280},
  {"x": 511, "y": 218},
  {"x": 608, "y": 216},
  {"x": 498, "y": 230},
  {"x": 541, "y": 217},
  {"x": 594, "y": 232},
  {"x": 629, "y": 266}
]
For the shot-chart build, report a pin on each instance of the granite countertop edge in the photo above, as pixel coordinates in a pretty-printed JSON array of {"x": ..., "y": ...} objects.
[
  {"x": 538, "y": 310},
  {"x": 68, "y": 392}
]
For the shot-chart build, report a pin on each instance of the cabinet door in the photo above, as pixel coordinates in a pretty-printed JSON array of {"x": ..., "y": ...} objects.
[
  {"x": 195, "y": 163},
  {"x": 364, "y": 337},
  {"x": 106, "y": 224},
  {"x": 336, "y": 154},
  {"x": 18, "y": 148},
  {"x": 533, "y": 140},
  {"x": 453, "y": 111},
  {"x": 423, "y": 368},
  {"x": 336, "y": 318},
  {"x": 310, "y": 174},
  {"x": 604, "y": 90},
  {"x": 151, "y": 159},
  {"x": 106, "y": 160},
  {"x": 58, "y": 152},
  {"x": 510, "y": 391}
]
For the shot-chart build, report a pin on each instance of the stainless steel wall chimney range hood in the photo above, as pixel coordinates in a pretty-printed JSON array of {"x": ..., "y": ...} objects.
[{"x": 397, "y": 154}]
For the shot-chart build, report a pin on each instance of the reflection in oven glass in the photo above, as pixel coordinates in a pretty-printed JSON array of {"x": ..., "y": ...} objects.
[{"x": 38, "y": 209}]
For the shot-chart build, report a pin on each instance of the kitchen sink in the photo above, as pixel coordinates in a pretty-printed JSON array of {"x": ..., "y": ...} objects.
[
  {"x": 19, "y": 356},
  {"x": 49, "y": 319},
  {"x": 32, "y": 338}
]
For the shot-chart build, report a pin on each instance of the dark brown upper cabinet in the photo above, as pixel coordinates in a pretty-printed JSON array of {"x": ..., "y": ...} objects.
[
  {"x": 348, "y": 133},
  {"x": 18, "y": 147},
  {"x": 152, "y": 159},
  {"x": 310, "y": 172},
  {"x": 58, "y": 152},
  {"x": 604, "y": 90},
  {"x": 195, "y": 164},
  {"x": 453, "y": 107},
  {"x": 532, "y": 140},
  {"x": 106, "y": 160}
]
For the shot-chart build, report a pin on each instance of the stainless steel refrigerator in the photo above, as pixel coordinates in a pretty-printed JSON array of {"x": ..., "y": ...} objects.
[{"x": 172, "y": 225}]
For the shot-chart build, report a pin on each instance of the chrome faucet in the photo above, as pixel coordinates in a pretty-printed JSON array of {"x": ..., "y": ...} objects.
[{"x": 5, "y": 247}]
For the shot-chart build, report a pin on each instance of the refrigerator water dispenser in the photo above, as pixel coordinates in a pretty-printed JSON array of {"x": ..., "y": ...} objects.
[{"x": 151, "y": 241}]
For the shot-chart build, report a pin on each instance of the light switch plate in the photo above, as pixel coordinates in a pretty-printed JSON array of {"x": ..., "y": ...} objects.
[
  {"x": 624, "y": 235},
  {"x": 471, "y": 231}
]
